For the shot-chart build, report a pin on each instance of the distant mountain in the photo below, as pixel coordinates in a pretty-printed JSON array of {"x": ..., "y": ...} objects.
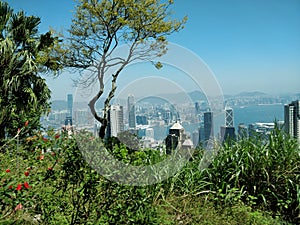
[
  {"x": 181, "y": 97},
  {"x": 197, "y": 96},
  {"x": 252, "y": 93}
]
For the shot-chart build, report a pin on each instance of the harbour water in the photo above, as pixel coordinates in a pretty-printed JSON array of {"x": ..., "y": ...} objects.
[
  {"x": 264, "y": 113},
  {"x": 258, "y": 113}
]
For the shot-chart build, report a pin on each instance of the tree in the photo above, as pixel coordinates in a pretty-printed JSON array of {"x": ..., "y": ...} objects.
[
  {"x": 99, "y": 27},
  {"x": 24, "y": 95}
]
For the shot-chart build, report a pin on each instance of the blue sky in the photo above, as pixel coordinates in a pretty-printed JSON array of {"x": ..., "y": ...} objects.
[{"x": 250, "y": 45}]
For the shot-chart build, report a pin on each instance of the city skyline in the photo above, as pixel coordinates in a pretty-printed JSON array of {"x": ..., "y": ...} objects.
[
  {"x": 159, "y": 117},
  {"x": 249, "y": 45}
]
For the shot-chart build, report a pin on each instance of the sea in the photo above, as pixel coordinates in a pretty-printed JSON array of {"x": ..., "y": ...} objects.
[
  {"x": 264, "y": 113},
  {"x": 261, "y": 113}
]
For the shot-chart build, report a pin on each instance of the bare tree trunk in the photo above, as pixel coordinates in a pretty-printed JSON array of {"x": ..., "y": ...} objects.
[
  {"x": 103, "y": 120},
  {"x": 102, "y": 130}
]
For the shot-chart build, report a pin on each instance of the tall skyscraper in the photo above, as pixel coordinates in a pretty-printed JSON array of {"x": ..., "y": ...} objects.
[
  {"x": 131, "y": 111},
  {"x": 69, "y": 116},
  {"x": 229, "y": 122},
  {"x": 115, "y": 120},
  {"x": 201, "y": 133},
  {"x": 70, "y": 104},
  {"x": 292, "y": 119},
  {"x": 228, "y": 131},
  {"x": 195, "y": 137},
  {"x": 208, "y": 125}
]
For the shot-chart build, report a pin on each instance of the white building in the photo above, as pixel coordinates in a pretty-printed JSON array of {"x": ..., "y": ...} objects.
[
  {"x": 115, "y": 120},
  {"x": 292, "y": 119}
]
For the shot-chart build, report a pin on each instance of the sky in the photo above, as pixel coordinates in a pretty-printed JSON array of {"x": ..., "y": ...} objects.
[{"x": 249, "y": 45}]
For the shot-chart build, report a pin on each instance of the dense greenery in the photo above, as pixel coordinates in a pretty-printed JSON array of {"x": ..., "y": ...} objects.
[
  {"x": 48, "y": 181},
  {"x": 24, "y": 94}
]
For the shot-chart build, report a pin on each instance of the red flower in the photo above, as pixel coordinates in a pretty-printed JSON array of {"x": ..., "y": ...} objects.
[
  {"x": 18, "y": 207},
  {"x": 26, "y": 123},
  {"x": 19, "y": 187},
  {"x": 7, "y": 171},
  {"x": 50, "y": 168},
  {"x": 45, "y": 139},
  {"x": 40, "y": 157},
  {"x": 26, "y": 173},
  {"x": 26, "y": 185},
  {"x": 57, "y": 136},
  {"x": 9, "y": 187}
]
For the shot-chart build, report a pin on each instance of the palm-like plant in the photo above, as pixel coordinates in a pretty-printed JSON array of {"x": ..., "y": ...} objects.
[{"x": 24, "y": 94}]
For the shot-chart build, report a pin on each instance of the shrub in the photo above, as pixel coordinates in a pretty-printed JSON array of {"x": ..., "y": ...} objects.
[{"x": 261, "y": 174}]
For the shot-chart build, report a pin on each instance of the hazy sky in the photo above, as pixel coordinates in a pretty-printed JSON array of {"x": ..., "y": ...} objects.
[{"x": 250, "y": 45}]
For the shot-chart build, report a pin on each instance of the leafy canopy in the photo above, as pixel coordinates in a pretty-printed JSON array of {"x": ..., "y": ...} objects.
[
  {"x": 99, "y": 27},
  {"x": 24, "y": 53}
]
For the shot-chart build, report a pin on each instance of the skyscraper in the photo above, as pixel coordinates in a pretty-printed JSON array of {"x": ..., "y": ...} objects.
[
  {"x": 228, "y": 131},
  {"x": 70, "y": 105},
  {"x": 229, "y": 117},
  {"x": 292, "y": 119},
  {"x": 131, "y": 111},
  {"x": 69, "y": 117},
  {"x": 195, "y": 137},
  {"x": 208, "y": 126},
  {"x": 115, "y": 120}
]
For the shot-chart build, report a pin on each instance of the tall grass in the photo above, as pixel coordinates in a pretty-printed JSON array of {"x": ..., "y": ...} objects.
[
  {"x": 247, "y": 182},
  {"x": 263, "y": 174}
]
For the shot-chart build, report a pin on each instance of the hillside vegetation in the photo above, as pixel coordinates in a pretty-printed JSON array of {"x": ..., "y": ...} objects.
[{"x": 47, "y": 181}]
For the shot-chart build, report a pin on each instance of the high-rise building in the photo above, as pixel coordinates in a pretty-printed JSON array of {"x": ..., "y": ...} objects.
[
  {"x": 229, "y": 122},
  {"x": 115, "y": 120},
  {"x": 208, "y": 126},
  {"x": 131, "y": 111},
  {"x": 70, "y": 105},
  {"x": 69, "y": 117},
  {"x": 228, "y": 131},
  {"x": 195, "y": 137},
  {"x": 141, "y": 120},
  {"x": 168, "y": 117},
  {"x": 201, "y": 133},
  {"x": 292, "y": 119}
]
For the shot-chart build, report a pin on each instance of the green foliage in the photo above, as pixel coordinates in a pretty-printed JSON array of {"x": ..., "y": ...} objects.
[
  {"x": 58, "y": 186},
  {"x": 24, "y": 95},
  {"x": 259, "y": 173},
  {"x": 100, "y": 26},
  {"x": 198, "y": 210}
]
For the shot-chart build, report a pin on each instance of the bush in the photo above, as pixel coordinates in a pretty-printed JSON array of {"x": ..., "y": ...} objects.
[
  {"x": 50, "y": 181},
  {"x": 261, "y": 174}
]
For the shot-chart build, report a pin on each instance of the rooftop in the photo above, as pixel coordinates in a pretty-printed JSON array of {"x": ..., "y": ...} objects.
[{"x": 177, "y": 126}]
